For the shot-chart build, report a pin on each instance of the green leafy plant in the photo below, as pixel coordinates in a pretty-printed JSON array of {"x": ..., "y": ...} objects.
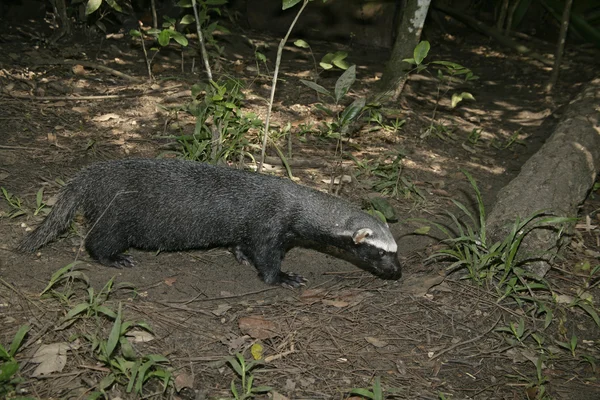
[
  {"x": 571, "y": 345},
  {"x": 329, "y": 60},
  {"x": 221, "y": 127},
  {"x": 40, "y": 206},
  {"x": 517, "y": 329},
  {"x": 375, "y": 117},
  {"x": 244, "y": 388},
  {"x": 342, "y": 86},
  {"x": 8, "y": 365},
  {"x": 14, "y": 202},
  {"x": 446, "y": 73},
  {"x": 125, "y": 365},
  {"x": 495, "y": 264},
  {"x": 113, "y": 349},
  {"x": 376, "y": 392},
  {"x": 536, "y": 388},
  {"x": 206, "y": 8},
  {"x": 387, "y": 176}
]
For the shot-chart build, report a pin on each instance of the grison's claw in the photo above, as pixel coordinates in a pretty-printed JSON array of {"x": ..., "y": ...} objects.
[
  {"x": 120, "y": 261},
  {"x": 290, "y": 280}
]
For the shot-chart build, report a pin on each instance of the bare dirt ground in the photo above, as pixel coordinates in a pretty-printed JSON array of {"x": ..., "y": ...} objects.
[{"x": 424, "y": 335}]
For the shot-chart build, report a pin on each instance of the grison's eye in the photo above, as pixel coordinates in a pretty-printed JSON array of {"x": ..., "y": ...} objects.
[{"x": 381, "y": 253}]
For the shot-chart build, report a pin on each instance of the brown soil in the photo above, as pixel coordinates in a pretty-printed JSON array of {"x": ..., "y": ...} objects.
[{"x": 423, "y": 335}]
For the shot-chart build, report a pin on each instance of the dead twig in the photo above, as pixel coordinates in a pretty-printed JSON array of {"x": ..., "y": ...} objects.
[
  {"x": 89, "y": 64},
  {"x": 100, "y": 97},
  {"x": 476, "y": 338}
]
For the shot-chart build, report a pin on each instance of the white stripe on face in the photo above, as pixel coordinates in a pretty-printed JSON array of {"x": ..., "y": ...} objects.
[{"x": 388, "y": 244}]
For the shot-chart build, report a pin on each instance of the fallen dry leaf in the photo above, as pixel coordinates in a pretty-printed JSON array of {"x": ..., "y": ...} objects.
[
  {"x": 419, "y": 285},
  {"x": 105, "y": 117},
  {"x": 311, "y": 296},
  {"x": 51, "y": 358},
  {"x": 170, "y": 281},
  {"x": 335, "y": 303},
  {"x": 139, "y": 336},
  {"x": 184, "y": 380},
  {"x": 376, "y": 342},
  {"x": 221, "y": 309},
  {"x": 257, "y": 327}
]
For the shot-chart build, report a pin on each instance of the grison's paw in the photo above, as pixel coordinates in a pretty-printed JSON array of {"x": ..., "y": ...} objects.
[
  {"x": 119, "y": 261},
  {"x": 290, "y": 280}
]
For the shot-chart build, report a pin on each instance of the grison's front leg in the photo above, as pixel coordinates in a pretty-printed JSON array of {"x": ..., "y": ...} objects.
[{"x": 267, "y": 260}]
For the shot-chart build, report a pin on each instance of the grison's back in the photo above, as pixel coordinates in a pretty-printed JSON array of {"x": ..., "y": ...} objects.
[{"x": 167, "y": 198}]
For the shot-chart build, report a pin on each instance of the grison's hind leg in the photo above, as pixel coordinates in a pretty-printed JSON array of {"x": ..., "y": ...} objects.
[{"x": 107, "y": 246}]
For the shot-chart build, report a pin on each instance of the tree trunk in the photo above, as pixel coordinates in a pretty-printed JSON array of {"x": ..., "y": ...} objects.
[
  {"x": 408, "y": 34},
  {"x": 556, "y": 179}
]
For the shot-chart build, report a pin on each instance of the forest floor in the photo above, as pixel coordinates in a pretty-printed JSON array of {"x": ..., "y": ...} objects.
[{"x": 426, "y": 336}]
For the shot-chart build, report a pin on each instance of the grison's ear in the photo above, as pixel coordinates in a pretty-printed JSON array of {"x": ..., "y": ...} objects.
[{"x": 360, "y": 235}]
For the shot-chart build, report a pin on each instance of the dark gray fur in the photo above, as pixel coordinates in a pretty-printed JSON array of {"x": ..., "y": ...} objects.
[{"x": 175, "y": 205}]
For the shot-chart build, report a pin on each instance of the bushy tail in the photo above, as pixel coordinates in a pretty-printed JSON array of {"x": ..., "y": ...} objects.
[{"x": 55, "y": 223}]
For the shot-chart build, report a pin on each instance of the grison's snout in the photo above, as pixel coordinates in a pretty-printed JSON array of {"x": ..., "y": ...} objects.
[{"x": 388, "y": 267}]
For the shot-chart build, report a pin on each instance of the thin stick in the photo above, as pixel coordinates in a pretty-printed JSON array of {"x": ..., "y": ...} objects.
[
  {"x": 201, "y": 40},
  {"x": 466, "y": 341},
  {"x": 560, "y": 47},
  {"x": 145, "y": 52},
  {"x": 275, "y": 74}
]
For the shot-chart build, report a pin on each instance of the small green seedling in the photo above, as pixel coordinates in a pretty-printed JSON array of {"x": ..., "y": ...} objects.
[
  {"x": 40, "y": 206},
  {"x": 571, "y": 345},
  {"x": 14, "y": 202},
  {"x": 242, "y": 368},
  {"x": 8, "y": 365}
]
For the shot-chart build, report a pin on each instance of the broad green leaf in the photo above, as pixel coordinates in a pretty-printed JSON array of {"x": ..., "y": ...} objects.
[
  {"x": 126, "y": 349},
  {"x": 106, "y": 311},
  {"x": 235, "y": 365},
  {"x": 39, "y": 197},
  {"x": 289, "y": 4},
  {"x": 106, "y": 382},
  {"x": 18, "y": 339},
  {"x": 325, "y": 66},
  {"x": 344, "y": 82},
  {"x": 187, "y": 19},
  {"x": 114, "y": 5},
  {"x": 179, "y": 38},
  {"x": 301, "y": 43},
  {"x": 115, "y": 333},
  {"x": 363, "y": 392},
  {"x": 383, "y": 205},
  {"x": 7, "y": 370},
  {"x": 157, "y": 358},
  {"x": 184, "y": 3},
  {"x": 164, "y": 37},
  {"x": 590, "y": 310},
  {"x": 316, "y": 86},
  {"x": 78, "y": 309},
  {"x": 341, "y": 64},
  {"x": 353, "y": 110},
  {"x": 421, "y": 51},
  {"x": 58, "y": 274},
  {"x": 457, "y": 98},
  {"x": 91, "y": 6},
  {"x": 260, "y": 56}
]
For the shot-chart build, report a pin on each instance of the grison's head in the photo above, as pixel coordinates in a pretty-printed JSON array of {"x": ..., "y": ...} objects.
[{"x": 373, "y": 248}]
